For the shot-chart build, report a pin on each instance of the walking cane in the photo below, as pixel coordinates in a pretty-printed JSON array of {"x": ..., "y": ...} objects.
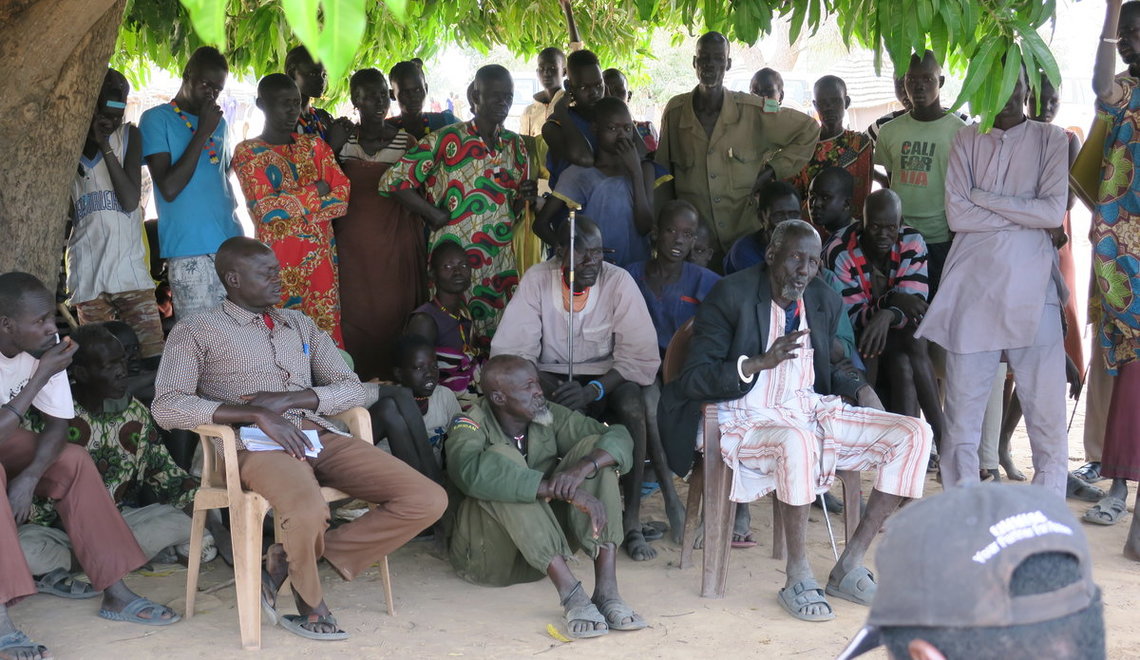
[
  {"x": 570, "y": 318},
  {"x": 1077, "y": 400},
  {"x": 827, "y": 519}
]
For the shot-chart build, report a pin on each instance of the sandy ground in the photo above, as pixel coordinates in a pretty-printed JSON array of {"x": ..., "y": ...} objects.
[{"x": 440, "y": 616}]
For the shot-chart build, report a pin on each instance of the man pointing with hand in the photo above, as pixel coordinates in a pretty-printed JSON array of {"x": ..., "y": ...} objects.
[{"x": 762, "y": 347}]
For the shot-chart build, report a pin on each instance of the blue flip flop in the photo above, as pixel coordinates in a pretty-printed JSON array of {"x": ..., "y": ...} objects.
[
  {"x": 63, "y": 584},
  {"x": 132, "y": 613},
  {"x": 18, "y": 640}
]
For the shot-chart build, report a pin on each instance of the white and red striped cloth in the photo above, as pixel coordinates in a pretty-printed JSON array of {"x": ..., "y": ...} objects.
[{"x": 784, "y": 436}]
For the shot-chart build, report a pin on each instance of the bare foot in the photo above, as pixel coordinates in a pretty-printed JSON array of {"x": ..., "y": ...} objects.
[
  {"x": 1132, "y": 544},
  {"x": 637, "y": 547},
  {"x": 1011, "y": 471},
  {"x": 277, "y": 567}
]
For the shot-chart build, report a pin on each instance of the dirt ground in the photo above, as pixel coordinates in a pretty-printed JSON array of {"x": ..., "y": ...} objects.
[{"x": 440, "y": 616}]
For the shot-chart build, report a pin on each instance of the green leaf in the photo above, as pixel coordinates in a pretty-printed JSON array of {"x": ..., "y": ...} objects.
[
  {"x": 1033, "y": 42},
  {"x": 976, "y": 74},
  {"x": 1010, "y": 73},
  {"x": 646, "y": 9},
  {"x": 399, "y": 9},
  {"x": 302, "y": 17},
  {"x": 209, "y": 20},
  {"x": 340, "y": 38}
]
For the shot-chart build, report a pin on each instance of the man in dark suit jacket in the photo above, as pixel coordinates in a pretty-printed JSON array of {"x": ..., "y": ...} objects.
[{"x": 771, "y": 421}]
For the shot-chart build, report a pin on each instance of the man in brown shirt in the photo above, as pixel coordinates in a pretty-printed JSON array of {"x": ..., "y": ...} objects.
[{"x": 249, "y": 363}]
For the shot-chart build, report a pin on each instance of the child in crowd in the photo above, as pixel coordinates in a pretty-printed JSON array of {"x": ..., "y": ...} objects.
[
  {"x": 618, "y": 88},
  {"x": 294, "y": 189},
  {"x": 569, "y": 130},
  {"x": 445, "y": 321},
  {"x": 672, "y": 287},
  {"x": 312, "y": 81},
  {"x": 617, "y": 190},
  {"x": 702, "y": 251},
  {"x": 410, "y": 90},
  {"x": 417, "y": 370},
  {"x": 107, "y": 275}
]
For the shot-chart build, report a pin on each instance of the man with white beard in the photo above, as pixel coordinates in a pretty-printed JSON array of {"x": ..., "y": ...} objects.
[
  {"x": 790, "y": 418},
  {"x": 539, "y": 481}
]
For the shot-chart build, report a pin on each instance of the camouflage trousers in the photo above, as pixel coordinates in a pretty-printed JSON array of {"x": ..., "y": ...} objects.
[{"x": 135, "y": 308}]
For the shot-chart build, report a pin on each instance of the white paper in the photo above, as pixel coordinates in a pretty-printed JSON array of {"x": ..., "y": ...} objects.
[{"x": 255, "y": 439}]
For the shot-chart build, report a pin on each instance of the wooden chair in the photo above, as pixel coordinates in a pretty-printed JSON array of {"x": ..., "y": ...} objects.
[
  {"x": 711, "y": 481},
  {"x": 221, "y": 488}
]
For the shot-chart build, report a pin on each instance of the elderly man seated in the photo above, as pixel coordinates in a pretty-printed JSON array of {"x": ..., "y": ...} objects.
[
  {"x": 881, "y": 265},
  {"x": 540, "y": 481},
  {"x": 615, "y": 355},
  {"x": 762, "y": 347},
  {"x": 272, "y": 371}
]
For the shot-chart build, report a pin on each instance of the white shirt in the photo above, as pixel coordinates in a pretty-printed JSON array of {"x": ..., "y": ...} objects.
[{"x": 54, "y": 399}]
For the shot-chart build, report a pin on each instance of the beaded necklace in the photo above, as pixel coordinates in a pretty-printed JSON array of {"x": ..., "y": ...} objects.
[
  {"x": 310, "y": 123},
  {"x": 211, "y": 146},
  {"x": 462, "y": 319}
]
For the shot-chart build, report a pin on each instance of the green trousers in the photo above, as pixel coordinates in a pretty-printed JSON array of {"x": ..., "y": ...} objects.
[{"x": 503, "y": 543}]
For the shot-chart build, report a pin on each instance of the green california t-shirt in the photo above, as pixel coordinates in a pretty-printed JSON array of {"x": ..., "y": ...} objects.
[{"x": 915, "y": 154}]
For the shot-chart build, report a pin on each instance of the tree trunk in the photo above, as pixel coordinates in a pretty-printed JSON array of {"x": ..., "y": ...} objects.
[{"x": 54, "y": 54}]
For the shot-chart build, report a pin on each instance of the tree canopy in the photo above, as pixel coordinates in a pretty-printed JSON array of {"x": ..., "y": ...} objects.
[{"x": 986, "y": 40}]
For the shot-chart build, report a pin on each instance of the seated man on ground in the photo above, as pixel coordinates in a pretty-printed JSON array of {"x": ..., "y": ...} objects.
[
  {"x": 540, "y": 481},
  {"x": 446, "y": 322},
  {"x": 761, "y": 348},
  {"x": 614, "y": 356},
  {"x": 270, "y": 370},
  {"x": 1014, "y": 581},
  {"x": 32, "y": 364},
  {"x": 881, "y": 264},
  {"x": 152, "y": 492}
]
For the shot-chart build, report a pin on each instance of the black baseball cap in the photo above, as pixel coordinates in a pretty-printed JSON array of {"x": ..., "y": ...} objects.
[{"x": 947, "y": 562}]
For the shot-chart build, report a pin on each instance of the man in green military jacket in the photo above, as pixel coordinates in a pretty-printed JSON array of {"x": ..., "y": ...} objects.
[{"x": 539, "y": 481}]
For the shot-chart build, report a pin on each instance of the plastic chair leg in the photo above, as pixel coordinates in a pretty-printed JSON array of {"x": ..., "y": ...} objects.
[{"x": 194, "y": 564}]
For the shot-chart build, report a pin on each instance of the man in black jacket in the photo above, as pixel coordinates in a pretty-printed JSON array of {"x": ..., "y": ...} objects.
[{"x": 786, "y": 419}]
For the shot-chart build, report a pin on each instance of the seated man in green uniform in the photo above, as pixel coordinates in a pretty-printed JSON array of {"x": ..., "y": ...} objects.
[{"x": 539, "y": 481}]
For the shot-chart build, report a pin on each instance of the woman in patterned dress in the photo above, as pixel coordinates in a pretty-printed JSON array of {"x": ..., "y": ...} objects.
[
  {"x": 383, "y": 255},
  {"x": 294, "y": 189},
  {"x": 469, "y": 182}
]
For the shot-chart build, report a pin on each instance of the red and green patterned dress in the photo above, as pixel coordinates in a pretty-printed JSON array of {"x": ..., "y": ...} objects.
[
  {"x": 279, "y": 184},
  {"x": 476, "y": 184}
]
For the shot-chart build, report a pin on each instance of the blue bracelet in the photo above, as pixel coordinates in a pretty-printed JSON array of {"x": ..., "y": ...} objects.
[{"x": 601, "y": 389}]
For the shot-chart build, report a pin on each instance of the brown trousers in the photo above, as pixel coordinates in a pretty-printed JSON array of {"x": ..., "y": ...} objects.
[
  {"x": 406, "y": 504},
  {"x": 103, "y": 543}
]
